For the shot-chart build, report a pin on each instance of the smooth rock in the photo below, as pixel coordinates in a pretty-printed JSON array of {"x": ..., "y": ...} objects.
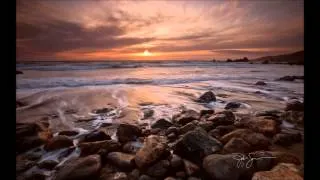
[
  {"x": 176, "y": 161},
  {"x": 186, "y": 116},
  {"x": 80, "y": 168},
  {"x": 206, "y": 112},
  {"x": 220, "y": 131},
  {"x": 58, "y": 142},
  {"x": 287, "y": 139},
  {"x": 237, "y": 145},
  {"x": 47, "y": 164},
  {"x": 261, "y": 83},
  {"x": 121, "y": 160},
  {"x": 181, "y": 174},
  {"x": 207, "y": 97},
  {"x": 128, "y": 132},
  {"x": 162, "y": 124},
  {"x": 159, "y": 169},
  {"x": 294, "y": 105},
  {"x": 95, "y": 136},
  {"x": 152, "y": 150},
  {"x": 172, "y": 129},
  {"x": 206, "y": 125},
  {"x": 68, "y": 133},
  {"x": 196, "y": 144},
  {"x": 264, "y": 126},
  {"x": 190, "y": 168},
  {"x": 147, "y": 113},
  {"x": 186, "y": 128},
  {"x": 232, "y": 105},
  {"x": 132, "y": 147},
  {"x": 281, "y": 171},
  {"x": 102, "y": 147}
]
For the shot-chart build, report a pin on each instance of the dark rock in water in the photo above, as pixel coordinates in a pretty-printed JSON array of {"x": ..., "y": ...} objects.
[
  {"x": 103, "y": 147},
  {"x": 232, "y": 105},
  {"x": 261, "y": 83},
  {"x": 281, "y": 171},
  {"x": 95, "y": 136},
  {"x": 58, "y": 142},
  {"x": 237, "y": 145},
  {"x": 20, "y": 104},
  {"x": 159, "y": 169},
  {"x": 27, "y": 129},
  {"x": 267, "y": 127},
  {"x": 190, "y": 167},
  {"x": 147, "y": 113},
  {"x": 48, "y": 164},
  {"x": 162, "y": 124},
  {"x": 19, "y": 72},
  {"x": 68, "y": 133},
  {"x": 186, "y": 128},
  {"x": 175, "y": 161},
  {"x": 196, "y": 144},
  {"x": 290, "y": 78},
  {"x": 102, "y": 110},
  {"x": 295, "y": 117},
  {"x": 222, "y": 119},
  {"x": 206, "y": 112},
  {"x": 145, "y": 177},
  {"x": 153, "y": 149},
  {"x": 229, "y": 116},
  {"x": 121, "y": 160},
  {"x": 128, "y": 132},
  {"x": 80, "y": 168},
  {"x": 23, "y": 165},
  {"x": 294, "y": 105},
  {"x": 287, "y": 139},
  {"x": 26, "y": 143},
  {"x": 186, "y": 116},
  {"x": 207, "y": 97},
  {"x": 132, "y": 147}
]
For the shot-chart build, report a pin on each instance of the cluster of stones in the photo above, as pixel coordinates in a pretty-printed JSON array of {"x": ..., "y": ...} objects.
[{"x": 192, "y": 145}]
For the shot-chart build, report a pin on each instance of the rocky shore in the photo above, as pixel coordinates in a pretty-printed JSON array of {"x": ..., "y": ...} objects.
[{"x": 192, "y": 145}]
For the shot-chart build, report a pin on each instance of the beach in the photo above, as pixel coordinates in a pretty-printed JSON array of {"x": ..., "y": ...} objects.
[{"x": 162, "y": 103}]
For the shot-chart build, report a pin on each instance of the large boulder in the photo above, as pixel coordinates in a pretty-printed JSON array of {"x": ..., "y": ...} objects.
[
  {"x": 281, "y": 171},
  {"x": 196, "y": 144},
  {"x": 220, "y": 131},
  {"x": 152, "y": 150},
  {"x": 162, "y": 124},
  {"x": 81, "y": 168},
  {"x": 236, "y": 166},
  {"x": 128, "y": 132},
  {"x": 101, "y": 147},
  {"x": 207, "y": 97},
  {"x": 294, "y": 105},
  {"x": 186, "y": 116},
  {"x": 121, "y": 160},
  {"x": 58, "y": 142},
  {"x": 186, "y": 128}
]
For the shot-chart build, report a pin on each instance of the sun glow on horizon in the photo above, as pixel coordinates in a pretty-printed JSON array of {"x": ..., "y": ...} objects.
[{"x": 147, "y": 53}]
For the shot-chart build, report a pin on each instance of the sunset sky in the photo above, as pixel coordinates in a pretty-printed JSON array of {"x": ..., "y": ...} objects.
[{"x": 157, "y": 30}]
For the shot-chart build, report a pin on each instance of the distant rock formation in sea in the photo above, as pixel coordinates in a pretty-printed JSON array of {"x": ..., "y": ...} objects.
[{"x": 296, "y": 58}]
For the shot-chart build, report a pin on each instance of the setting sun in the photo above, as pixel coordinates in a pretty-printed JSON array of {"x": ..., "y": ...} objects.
[{"x": 146, "y": 53}]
